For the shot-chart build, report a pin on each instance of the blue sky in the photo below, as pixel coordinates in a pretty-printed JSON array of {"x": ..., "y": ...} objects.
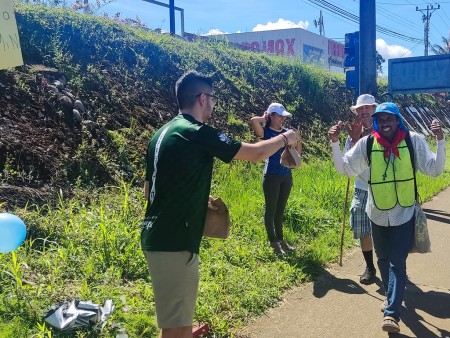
[{"x": 231, "y": 16}]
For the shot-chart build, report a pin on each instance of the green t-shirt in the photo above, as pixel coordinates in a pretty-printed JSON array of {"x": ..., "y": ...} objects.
[{"x": 179, "y": 189}]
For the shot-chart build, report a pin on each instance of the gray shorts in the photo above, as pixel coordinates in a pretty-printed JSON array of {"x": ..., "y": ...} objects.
[
  {"x": 175, "y": 279},
  {"x": 359, "y": 221}
]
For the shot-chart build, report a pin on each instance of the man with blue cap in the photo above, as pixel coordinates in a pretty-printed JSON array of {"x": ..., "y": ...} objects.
[{"x": 390, "y": 204}]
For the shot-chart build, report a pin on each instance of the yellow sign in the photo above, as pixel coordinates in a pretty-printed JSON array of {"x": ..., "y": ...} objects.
[{"x": 10, "y": 52}]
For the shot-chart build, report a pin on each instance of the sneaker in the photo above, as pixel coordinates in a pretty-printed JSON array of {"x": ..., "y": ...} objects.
[
  {"x": 368, "y": 277},
  {"x": 390, "y": 325},
  {"x": 277, "y": 248},
  {"x": 383, "y": 305},
  {"x": 285, "y": 246}
]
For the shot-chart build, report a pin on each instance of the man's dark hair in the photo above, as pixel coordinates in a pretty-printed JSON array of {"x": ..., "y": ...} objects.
[{"x": 189, "y": 86}]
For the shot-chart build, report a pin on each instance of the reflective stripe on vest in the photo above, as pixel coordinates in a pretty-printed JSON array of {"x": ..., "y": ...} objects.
[{"x": 391, "y": 182}]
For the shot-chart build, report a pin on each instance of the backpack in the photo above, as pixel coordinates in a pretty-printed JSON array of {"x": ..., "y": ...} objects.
[{"x": 411, "y": 155}]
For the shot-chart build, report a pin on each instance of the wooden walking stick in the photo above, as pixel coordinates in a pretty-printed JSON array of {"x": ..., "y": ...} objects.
[{"x": 343, "y": 221}]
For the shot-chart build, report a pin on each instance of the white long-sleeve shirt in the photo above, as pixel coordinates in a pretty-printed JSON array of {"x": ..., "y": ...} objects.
[
  {"x": 355, "y": 161},
  {"x": 361, "y": 180}
]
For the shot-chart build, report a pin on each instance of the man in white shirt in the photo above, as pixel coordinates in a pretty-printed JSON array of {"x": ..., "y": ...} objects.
[
  {"x": 390, "y": 204},
  {"x": 360, "y": 223}
]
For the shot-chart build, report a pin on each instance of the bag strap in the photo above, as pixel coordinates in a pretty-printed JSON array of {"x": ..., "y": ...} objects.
[{"x": 155, "y": 162}]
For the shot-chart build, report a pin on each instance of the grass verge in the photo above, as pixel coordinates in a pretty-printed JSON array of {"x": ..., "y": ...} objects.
[{"x": 87, "y": 248}]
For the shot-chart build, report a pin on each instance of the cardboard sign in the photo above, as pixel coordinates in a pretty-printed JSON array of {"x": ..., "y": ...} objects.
[{"x": 10, "y": 52}]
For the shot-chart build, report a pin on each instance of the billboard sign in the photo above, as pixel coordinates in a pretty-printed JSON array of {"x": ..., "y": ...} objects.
[
  {"x": 294, "y": 42},
  {"x": 423, "y": 74}
]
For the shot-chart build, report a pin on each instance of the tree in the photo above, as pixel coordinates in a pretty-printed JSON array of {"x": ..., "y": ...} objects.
[
  {"x": 380, "y": 60},
  {"x": 442, "y": 49}
]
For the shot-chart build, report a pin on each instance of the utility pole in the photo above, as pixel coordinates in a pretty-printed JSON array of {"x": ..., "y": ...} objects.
[
  {"x": 320, "y": 24},
  {"x": 367, "y": 48},
  {"x": 172, "y": 16},
  {"x": 426, "y": 19}
]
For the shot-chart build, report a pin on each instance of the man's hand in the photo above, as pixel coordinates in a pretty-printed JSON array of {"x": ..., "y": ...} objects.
[
  {"x": 293, "y": 136},
  {"x": 437, "y": 130},
  {"x": 334, "y": 131},
  {"x": 354, "y": 129}
]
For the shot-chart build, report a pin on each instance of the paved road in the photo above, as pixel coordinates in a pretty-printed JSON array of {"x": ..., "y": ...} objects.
[{"x": 337, "y": 305}]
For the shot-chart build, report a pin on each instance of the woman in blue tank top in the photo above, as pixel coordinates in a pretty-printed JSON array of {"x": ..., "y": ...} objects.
[{"x": 277, "y": 179}]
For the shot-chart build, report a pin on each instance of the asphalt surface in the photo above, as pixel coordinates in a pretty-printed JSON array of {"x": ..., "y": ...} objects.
[{"x": 337, "y": 305}]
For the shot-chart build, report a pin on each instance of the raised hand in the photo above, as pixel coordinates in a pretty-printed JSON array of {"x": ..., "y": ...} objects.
[
  {"x": 334, "y": 132},
  {"x": 437, "y": 129},
  {"x": 354, "y": 129}
]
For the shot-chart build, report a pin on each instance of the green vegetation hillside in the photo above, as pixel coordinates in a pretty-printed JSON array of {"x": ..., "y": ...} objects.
[
  {"x": 75, "y": 123},
  {"x": 125, "y": 79}
]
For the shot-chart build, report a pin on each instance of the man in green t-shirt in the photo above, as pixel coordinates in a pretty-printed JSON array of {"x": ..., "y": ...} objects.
[{"x": 178, "y": 181}]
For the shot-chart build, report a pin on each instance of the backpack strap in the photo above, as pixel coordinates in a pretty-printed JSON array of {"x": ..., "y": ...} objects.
[
  {"x": 413, "y": 161},
  {"x": 369, "y": 147}
]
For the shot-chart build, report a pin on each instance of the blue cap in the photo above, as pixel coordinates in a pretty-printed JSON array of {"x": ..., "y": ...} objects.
[{"x": 389, "y": 108}]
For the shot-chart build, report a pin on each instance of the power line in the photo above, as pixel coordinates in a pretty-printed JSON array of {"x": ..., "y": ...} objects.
[
  {"x": 354, "y": 18},
  {"x": 445, "y": 23},
  {"x": 446, "y": 15},
  {"x": 335, "y": 16},
  {"x": 386, "y": 13}
]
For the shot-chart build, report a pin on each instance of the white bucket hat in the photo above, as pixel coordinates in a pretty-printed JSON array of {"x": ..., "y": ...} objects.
[{"x": 364, "y": 100}]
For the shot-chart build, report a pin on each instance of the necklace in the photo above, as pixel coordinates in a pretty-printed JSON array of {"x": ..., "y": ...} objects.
[{"x": 368, "y": 128}]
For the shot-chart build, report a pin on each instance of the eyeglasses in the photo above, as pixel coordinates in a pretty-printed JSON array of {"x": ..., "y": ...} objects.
[{"x": 214, "y": 98}]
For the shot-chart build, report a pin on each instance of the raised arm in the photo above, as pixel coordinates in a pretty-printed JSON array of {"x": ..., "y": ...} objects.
[
  {"x": 257, "y": 124},
  {"x": 429, "y": 163},
  {"x": 262, "y": 150},
  {"x": 354, "y": 162}
]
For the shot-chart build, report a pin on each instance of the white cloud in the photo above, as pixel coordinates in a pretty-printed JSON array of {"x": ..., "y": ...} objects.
[
  {"x": 391, "y": 51},
  {"x": 280, "y": 24},
  {"x": 215, "y": 31}
]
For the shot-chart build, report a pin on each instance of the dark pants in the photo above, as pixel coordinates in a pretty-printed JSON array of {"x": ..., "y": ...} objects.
[
  {"x": 276, "y": 193},
  {"x": 392, "y": 245}
]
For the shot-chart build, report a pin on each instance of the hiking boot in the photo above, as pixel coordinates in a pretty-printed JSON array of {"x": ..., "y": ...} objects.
[
  {"x": 277, "y": 248},
  {"x": 285, "y": 246},
  {"x": 368, "y": 277}
]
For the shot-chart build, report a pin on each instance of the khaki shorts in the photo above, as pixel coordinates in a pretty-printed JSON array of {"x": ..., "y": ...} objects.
[{"x": 175, "y": 278}]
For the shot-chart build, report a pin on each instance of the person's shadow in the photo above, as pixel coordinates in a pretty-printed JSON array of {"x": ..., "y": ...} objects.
[
  {"x": 437, "y": 215},
  {"x": 324, "y": 281},
  {"x": 434, "y": 303}
]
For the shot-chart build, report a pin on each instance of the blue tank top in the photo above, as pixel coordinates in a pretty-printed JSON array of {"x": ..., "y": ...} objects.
[{"x": 273, "y": 166}]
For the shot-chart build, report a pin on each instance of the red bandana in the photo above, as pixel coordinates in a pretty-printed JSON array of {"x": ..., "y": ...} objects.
[{"x": 400, "y": 135}]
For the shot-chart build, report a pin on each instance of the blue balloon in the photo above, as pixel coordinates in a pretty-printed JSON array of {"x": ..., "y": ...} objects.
[{"x": 12, "y": 232}]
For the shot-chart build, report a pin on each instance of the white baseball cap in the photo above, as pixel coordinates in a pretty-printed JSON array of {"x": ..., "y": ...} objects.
[{"x": 279, "y": 109}]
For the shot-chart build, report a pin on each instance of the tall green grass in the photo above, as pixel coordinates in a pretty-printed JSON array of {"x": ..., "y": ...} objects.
[{"x": 87, "y": 248}]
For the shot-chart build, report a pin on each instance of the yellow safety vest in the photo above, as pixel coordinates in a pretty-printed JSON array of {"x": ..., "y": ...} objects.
[{"x": 391, "y": 182}]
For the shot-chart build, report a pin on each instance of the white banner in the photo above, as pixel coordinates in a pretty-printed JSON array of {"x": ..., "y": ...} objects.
[{"x": 10, "y": 52}]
